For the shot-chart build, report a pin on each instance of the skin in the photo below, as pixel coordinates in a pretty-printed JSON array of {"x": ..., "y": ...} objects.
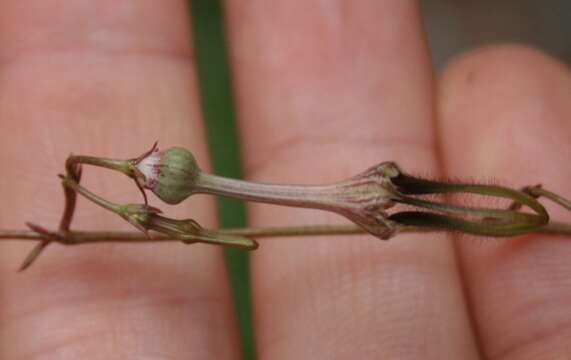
[{"x": 324, "y": 90}]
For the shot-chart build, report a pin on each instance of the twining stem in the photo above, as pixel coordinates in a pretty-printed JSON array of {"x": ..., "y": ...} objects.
[
  {"x": 82, "y": 237},
  {"x": 85, "y": 237},
  {"x": 538, "y": 191},
  {"x": 69, "y": 207},
  {"x": 73, "y": 170}
]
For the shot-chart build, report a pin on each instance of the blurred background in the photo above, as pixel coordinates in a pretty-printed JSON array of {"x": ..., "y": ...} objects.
[{"x": 453, "y": 26}]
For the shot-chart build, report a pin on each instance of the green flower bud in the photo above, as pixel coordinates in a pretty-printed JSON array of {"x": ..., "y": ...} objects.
[{"x": 170, "y": 174}]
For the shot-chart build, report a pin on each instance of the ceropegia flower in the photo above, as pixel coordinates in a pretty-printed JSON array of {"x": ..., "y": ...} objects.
[{"x": 173, "y": 175}]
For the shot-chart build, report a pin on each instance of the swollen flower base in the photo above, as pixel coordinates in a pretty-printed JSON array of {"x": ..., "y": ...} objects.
[{"x": 170, "y": 174}]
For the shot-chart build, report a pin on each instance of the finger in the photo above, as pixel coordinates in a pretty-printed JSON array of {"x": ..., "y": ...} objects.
[
  {"x": 325, "y": 90},
  {"x": 105, "y": 78},
  {"x": 505, "y": 116}
]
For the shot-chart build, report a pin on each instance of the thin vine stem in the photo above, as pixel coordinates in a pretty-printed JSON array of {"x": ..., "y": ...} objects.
[{"x": 84, "y": 237}]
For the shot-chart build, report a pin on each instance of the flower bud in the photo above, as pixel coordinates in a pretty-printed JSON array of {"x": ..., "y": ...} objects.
[
  {"x": 138, "y": 215},
  {"x": 170, "y": 174},
  {"x": 189, "y": 231}
]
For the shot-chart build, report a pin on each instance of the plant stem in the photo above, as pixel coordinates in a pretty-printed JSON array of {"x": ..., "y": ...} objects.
[
  {"x": 538, "y": 191},
  {"x": 74, "y": 186},
  {"x": 123, "y": 166},
  {"x": 84, "y": 237},
  {"x": 132, "y": 236}
]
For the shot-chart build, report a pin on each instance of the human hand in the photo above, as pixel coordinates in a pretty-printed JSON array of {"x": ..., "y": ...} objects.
[{"x": 323, "y": 92}]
